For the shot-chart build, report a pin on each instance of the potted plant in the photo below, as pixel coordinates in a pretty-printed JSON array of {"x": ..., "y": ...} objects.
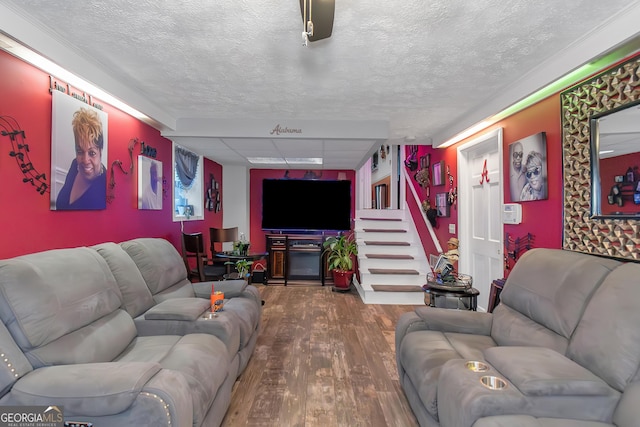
[
  {"x": 242, "y": 267},
  {"x": 340, "y": 252}
]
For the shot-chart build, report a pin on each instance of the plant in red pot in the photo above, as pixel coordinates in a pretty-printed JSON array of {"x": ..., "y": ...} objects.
[{"x": 340, "y": 252}]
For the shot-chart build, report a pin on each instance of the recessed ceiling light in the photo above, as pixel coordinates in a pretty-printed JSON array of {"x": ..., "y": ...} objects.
[{"x": 266, "y": 160}]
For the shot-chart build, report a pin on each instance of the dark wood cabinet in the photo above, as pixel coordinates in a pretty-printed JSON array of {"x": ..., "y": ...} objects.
[
  {"x": 277, "y": 249},
  {"x": 295, "y": 258}
]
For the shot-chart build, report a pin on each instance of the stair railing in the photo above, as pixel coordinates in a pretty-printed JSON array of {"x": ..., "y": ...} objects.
[{"x": 418, "y": 202}]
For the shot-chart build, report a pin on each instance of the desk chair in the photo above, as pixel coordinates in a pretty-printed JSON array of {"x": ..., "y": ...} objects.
[
  {"x": 218, "y": 237},
  {"x": 193, "y": 247}
]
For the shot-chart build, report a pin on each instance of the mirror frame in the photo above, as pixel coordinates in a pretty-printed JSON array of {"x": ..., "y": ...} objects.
[
  {"x": 596, "y": 183},
  {"x": 611, "y": 237}
]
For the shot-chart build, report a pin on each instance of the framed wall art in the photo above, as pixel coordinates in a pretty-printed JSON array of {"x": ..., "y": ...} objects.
[
  {"x": 438, "y": 173},
  {"x": 442, "y": 205},
  {"x": 149, "y": 183},
  {"x": 79, "y": 140},
  {"x": 527, "y": 168}
]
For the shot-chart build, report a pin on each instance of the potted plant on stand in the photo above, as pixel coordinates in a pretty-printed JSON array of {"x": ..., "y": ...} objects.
[
  {"x": 340, "y": 252},
  {"x": 243, "y": 268}
]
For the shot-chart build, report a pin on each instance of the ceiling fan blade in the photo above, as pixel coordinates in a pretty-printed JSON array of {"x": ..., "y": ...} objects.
[{"x": 320, "y": 12}]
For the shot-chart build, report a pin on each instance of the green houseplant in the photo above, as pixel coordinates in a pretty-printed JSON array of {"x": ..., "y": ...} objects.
[
  {"x": 341, "y": 251},
  {"x": 242, "y": 267}
]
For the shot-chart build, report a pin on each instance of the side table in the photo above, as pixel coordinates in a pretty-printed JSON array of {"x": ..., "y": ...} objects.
[
  {"x": 494, "y": 294},
  {"x": 464, "y": 299}
]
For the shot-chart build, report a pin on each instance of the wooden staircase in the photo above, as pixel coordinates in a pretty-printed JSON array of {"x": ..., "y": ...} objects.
[{"x": 391, "y": 260}]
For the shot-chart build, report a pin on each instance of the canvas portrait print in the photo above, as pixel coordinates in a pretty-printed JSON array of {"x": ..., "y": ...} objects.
[
  {"x": 528, "y": 168},
  {"x": 149, "y": 183},
  {"x": 78, "y": 155}
]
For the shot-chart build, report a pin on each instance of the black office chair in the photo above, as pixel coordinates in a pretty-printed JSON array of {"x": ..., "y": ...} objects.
[{"x": 193, "y": 248}]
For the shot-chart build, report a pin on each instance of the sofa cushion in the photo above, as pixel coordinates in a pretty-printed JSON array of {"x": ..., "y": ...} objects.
[
  {"x": 538, "y": 371},
  {"x": 13, "y": 364},
  {"x": 626, "y": 414},
  {"x": 79, "y": 389},
  {"x": 189, "y": 309},
  {"x": 511, "y": 327},
  {"x": 247, "y": 316},
  {"x": 62, "y": 315},
  {"x": 161, "y": 266},
  {"x": 135, "y": 294},
  {"x": 613, "y": 317},
  {"x": 202, "y": 359},
  {"x": 551, "y": 287},
  {"x": 529, "y": 421},
  {"x": 422, "y": 354},
  {"x": 230, "y": 288}
]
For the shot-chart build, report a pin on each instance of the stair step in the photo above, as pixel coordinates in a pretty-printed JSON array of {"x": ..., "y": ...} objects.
[
  {"x": 384, "y": 230},
  {"x": 383, "y": 243},
  {"x": 380, "y": 219},
  {"x": 388, "y": 256},
  {"x": 397, "y": 288},
  {"x": 393, "y": 271}
]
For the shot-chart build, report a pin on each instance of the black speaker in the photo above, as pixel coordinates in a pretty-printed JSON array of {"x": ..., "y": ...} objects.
[{"x": 259, "y": 276}]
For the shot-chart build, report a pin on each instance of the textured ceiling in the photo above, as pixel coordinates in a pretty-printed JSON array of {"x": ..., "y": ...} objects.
[{"x": 423, "y": 69}]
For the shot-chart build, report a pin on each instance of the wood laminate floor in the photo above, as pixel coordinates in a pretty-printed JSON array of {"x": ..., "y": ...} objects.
[{"x": 322, "y": 359}]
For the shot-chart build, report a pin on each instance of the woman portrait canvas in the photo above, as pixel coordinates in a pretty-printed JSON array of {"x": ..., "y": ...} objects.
[
  {"x": 78, "y": 155},
  {"x": 528, "y": 168}
]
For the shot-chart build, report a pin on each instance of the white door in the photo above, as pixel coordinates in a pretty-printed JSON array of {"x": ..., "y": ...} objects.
[{"x": 480, "y": 201}]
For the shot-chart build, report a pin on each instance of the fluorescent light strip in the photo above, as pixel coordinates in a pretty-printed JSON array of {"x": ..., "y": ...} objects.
[
  {"x": 18, "y": 50},
  {"x": 266, "y": 160},
  {"x": 303, "y": 160},
  {"x": 287, "y": 161}
]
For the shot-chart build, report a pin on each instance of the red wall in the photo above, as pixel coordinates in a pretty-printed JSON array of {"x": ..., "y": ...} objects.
[
  {"x": 26, "y": 222},
  {"x": 542, "y": 218},
  {"x": 256, "y": 176}
]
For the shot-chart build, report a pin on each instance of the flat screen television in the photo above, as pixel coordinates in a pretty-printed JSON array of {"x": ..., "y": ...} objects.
[{"x": 306, "y": 205}]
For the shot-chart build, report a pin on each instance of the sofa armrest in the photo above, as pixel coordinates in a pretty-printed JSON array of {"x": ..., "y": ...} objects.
[
  {"x": 189, "y": 309},
  {"x": 92, "y": 389},
  {"x": 461, "y": 321},
  {"x": 532, "y": 386},
  {"x": 231, "y": 288},
  {"x": 539, "y": 371}
]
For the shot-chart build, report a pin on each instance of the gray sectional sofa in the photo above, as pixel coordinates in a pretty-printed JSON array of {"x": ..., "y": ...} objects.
[
  {"x": 115, "y": 334},
  {"x": 563, "y": 345}
]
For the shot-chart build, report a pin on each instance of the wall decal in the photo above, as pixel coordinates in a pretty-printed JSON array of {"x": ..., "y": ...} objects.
[
  {"x": 20, "y": 152},
  {"x": 484, "y": 176}
]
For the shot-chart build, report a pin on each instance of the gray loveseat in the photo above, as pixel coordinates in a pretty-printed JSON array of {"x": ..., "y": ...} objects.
[
  {"x": 564, "y": 342},
  {"x": 68, "y": 337},
  {"x": 156, "y": 292}
]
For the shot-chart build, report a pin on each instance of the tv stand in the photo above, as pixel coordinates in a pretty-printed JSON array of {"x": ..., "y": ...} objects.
[{"x": 296, "y": 259}]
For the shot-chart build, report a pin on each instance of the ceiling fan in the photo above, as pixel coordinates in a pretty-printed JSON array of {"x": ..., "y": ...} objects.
[{"x": 317, "y": 19}]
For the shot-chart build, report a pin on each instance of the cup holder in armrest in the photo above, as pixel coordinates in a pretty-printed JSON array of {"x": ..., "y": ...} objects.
[
  {"x": 476, "y": 366},
  {"x": 493, "y": 383},
  {"x": 210, "y": 315}
]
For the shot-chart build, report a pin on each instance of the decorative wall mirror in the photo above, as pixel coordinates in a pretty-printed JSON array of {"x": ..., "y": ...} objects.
[
  {"x": 608, "y": 235},
  {"x": 615, "y": 159}
]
